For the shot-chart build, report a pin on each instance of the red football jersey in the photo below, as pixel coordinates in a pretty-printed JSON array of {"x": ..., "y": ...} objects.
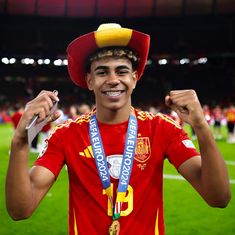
[{"x": 90, "y": 212}]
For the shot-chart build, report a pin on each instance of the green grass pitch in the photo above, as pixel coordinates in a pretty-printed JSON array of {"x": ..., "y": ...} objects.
[{"x": 185, "y": 212}]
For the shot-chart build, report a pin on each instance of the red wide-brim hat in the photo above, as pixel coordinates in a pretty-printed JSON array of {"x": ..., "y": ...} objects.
[{"x": 107, "y": 35}]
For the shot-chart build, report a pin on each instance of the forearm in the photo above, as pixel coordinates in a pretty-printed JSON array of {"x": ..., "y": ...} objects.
[
  {"x": 19, "y": 194},
  {"x": 24, "y": 189},
  {"x": 215, "y": 186}
]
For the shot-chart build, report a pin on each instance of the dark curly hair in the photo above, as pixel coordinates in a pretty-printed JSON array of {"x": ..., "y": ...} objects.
[{"x": 117, "y": 52}]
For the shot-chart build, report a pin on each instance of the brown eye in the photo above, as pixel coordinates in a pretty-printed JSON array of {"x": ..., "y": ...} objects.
[
  {"x": 100, "y": 72},
  {"x": 123, "y": 72}
]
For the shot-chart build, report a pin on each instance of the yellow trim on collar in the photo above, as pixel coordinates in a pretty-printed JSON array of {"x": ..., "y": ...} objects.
[{"x": 113, "y": 37}]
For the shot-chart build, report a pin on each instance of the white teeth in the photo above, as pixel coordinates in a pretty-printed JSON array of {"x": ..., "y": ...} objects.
[{"x": 113, "y": 93}]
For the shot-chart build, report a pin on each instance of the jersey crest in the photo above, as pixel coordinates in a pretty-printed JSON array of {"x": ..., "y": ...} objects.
[{"x": 143, "y": 150}]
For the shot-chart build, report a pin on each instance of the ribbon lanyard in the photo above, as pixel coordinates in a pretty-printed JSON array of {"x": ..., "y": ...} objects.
[{"x": 127, "y": 161}]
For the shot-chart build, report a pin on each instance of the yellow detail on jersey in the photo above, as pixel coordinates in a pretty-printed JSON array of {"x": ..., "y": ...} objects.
[
  {"x": 109, "y": 207},
  {"x": 83, "y": 118},
  {"x": 128, "y": 198},
  {"x": 156, "y": 224},
  {"x": 82, "y": 154},
  {"x": 170, "y": 120},
  {"x": 65, "y": 124},
  {"x": 75, "y": 224},
  {"x": 121, "y": 196},
  {"x": 87, "y": 152},
  {"x": 109, "y": 190},
  {"x": 143, "y": 115}
]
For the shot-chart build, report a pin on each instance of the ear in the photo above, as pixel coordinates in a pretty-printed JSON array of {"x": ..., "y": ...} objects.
[
  {"x": 135, "y": 78},
  {"x": 89, "y": 81}
]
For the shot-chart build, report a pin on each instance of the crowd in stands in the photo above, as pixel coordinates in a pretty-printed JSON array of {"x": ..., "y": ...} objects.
[
  {"x": 216, "y": 117},
  {"x": 13, "y": 114}
]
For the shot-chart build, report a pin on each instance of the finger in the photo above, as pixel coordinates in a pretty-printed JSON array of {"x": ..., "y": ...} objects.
[
  {"x": 54, "y": 95},
  {"x": 45, "y": 103},
  {"x": 54, "y": 116},
  {"x": 183, "y": 98}
]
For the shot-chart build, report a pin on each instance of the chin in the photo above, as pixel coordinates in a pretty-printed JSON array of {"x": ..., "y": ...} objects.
[{"x": 115, "y": 106}]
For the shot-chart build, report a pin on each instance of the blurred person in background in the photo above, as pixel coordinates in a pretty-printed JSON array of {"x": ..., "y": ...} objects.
[
  {"x": 44, "y": 133},
  {"x": 153, "y": 109},
  {"x": 230, "y": 117},
  {"x": 218, "y": 116},
  {"x": 19, "y": 108},
  {"x": 115, "y": 153},
  {"x": 84, "y": 108},
  {"x": 5, "y": 115},
  {"x": 73, "y": 112},
  {"x": 207, "y": 113}
]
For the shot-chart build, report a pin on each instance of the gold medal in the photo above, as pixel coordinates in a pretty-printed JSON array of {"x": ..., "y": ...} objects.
[{"x": 114, "y": 228}]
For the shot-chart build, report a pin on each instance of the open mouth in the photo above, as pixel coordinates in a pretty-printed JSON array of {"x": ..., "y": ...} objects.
[{"x": 113, "y": 93}]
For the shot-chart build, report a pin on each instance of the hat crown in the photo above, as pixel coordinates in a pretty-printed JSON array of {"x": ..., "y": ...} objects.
[
  {"x": 109, "y": 26},
  {"x": 108, "y": 34}
]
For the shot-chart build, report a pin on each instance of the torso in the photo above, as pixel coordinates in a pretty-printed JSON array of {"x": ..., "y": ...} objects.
[{"x": 89, "y": 208}]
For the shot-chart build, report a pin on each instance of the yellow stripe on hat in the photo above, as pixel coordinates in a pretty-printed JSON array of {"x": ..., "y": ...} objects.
[{"x": 112, "y": 35}]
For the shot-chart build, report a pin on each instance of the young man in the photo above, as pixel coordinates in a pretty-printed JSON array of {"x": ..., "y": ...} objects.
[{"x": 115, "y": 153}]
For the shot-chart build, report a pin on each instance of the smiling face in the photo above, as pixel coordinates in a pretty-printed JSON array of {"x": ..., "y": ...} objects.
[{"x": 112, "y": 80}]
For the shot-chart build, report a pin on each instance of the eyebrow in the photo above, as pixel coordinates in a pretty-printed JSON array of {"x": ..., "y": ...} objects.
[
  {"x": 100, "y": 67},
  {"x": 107, "y": 67}
]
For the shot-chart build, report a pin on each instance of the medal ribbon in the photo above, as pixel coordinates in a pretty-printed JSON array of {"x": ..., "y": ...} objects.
[{"x": 127, "y": 161}]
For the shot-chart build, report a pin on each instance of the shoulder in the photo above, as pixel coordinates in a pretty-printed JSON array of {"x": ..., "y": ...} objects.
[
  {"x": 71, "y": 125},
  {"x": 156, "y": 119}
]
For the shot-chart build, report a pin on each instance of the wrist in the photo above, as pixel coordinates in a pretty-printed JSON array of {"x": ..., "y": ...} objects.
[
  {"x": 19, "y": 139},
  {"x": 202, "y": 125}
]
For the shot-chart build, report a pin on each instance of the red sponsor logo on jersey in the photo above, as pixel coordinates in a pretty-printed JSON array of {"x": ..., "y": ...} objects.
[{"x": 142, "y": 150}]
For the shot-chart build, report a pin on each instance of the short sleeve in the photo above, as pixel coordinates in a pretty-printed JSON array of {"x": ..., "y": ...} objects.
[
  {"x": 180, "y": 148},
  {"x": 52, "y": 155}
]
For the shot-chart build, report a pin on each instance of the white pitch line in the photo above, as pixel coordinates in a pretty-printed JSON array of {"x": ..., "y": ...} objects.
[
  {"x": 174, "y": 177},
  {"x": 179, "y": 177},
  {"x": 232, "y": 163}
]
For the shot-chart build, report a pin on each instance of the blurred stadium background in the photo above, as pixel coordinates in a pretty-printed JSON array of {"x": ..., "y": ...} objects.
[{"x": 192, "y": 46}]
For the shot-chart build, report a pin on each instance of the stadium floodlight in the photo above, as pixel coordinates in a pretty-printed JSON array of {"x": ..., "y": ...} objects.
[
  {"x": 5, "y": 60},
  {"x": 58, "y": 62},
  {"x": 24, "y": 61},
  {"x": 202, "y": 60},
  {"x": 47, "y": 61},
  {"x": 12, "y": 60},
  {"x": 27, "y": 61},
  {"x": 184, "y": 61},
  {"x": 65, "y": 62},
  {"x": 162, "y": 61},
  {"x": 40, "y": 61}
]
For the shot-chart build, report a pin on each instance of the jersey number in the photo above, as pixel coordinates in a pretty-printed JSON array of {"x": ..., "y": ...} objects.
[{"x": 128, "y": 201}]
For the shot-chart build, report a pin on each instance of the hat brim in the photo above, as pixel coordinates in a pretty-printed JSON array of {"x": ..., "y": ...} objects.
[{"x": 82, "y": 47}]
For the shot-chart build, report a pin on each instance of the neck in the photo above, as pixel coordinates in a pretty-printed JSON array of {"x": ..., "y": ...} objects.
[{"x": 113, "y": 116}]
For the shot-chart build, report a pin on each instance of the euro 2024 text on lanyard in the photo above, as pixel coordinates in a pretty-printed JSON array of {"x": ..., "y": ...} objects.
[{"x": 126, "y": 167}]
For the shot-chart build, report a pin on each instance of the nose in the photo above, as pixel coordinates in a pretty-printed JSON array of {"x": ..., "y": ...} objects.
[{"x": 113, "y": 79}]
